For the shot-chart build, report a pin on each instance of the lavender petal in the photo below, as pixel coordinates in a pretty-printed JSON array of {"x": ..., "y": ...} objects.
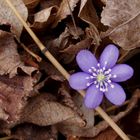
[
  {"x": 116, "y": 95},
  {"x": 121, "y": 72},
  {"x": 109, "y": 56},
  {"x": 86, "y": 60},
  {"x": 93, "y": 97},
  {"x": 78, "y": 80}
]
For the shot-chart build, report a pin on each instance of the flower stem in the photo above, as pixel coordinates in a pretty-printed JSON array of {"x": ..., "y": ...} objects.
[{"x": 64, "y": 72}]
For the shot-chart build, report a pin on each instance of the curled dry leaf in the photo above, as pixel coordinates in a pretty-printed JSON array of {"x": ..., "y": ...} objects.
[
  {"x": 93, "y": 131},
  {"x": 123, "y": 19},
  {"x": 67, "y": 45},
  {"x": 64, "y": 10},
  {"x": 9, "y": 57},
  {"x": 44, "y": 18},
  {"x": 31, "y": 3},
  {"x": 42, "y": 112},
  {"x": 13, "y": 94},
  {"x": 88, "y": 14},
  {"x": 6, "y": 14},
  {"x": 69, "y": 53}
]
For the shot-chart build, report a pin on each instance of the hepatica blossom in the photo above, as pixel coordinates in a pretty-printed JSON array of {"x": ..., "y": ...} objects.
[{"x": 100, "y": 78}]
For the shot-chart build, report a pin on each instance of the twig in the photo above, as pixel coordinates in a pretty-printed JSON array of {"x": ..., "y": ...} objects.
[
  {"x": 73, "y": 20},
  {"x": 38, "y": 58},
  {"x": 113, "y": 108},
  {"x": 64, "y": 72}
]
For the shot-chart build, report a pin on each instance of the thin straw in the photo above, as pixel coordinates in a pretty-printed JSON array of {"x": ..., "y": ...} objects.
[{"x": 64, "y": 72}]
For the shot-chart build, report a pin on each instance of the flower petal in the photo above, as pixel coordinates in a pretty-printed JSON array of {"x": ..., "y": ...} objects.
[
  {"x": 109, "y": 56},
  {"x": 86, "y": 60},
  {"x": 116, "y": 95},
  {"x": 122, "y": 72},
  {"x": 78, "y": 80},
  {"x": 93, "y": 97}
]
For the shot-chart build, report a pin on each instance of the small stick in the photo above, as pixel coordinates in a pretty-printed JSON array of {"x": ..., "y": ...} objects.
[
  {"x": 38, "y": 58},
  {"x": 73, "y": 20},
  {"x": 64, "y": 72}
]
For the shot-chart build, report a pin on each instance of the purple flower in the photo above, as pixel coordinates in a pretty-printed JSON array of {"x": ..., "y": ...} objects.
[{"x": 99, "y": 78}]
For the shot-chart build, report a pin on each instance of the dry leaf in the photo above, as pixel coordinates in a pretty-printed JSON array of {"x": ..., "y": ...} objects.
[
  {"x": 42, "y": 112},
  {"x": 13, "y": 94},
  {"x": 123, "y": 19},
  {"x": 108, "y": 134},
  {"x": 9, "y": 57},
  {"x": 32, "y": 132},
  {"x": 6, "y": 14},
  {"x": 49, "y": 3},
  {"x": 68, "y": 54},
  {"x": 93, "y": 131},
  {"x": 88, "y": 14},
  {"x": 66, "y": 99},
  {"x": 64, "y": 10},
  {"x": 31, "y": 3},
  {"x": 44, "y": 18}
]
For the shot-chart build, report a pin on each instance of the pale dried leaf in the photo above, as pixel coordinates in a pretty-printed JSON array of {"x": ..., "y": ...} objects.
[
  {"x": 8, "y": 15},
  {"x": 44, "y": 18},
  {"x": 64, "y": 10},
  {"x": 123, "y": 19},
  {"x": 42, "y": 112},
  {"x": 9, "y": 57},
  {"x": 13, "y": 94}
]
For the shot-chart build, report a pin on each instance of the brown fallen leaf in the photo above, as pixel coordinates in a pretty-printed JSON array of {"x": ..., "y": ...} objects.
[
  {"x": 64, "y": 10},
  {"x": 88, "y": 14},
  {"x": 65, "y": 98},
  {"x": 65, "y": 40},
  {"x": 68, "y": 54},
  {"x": 108, "y": 134},
  {"x": 31, "y": 3},
  {"x": 32, "y": 132},
  {"x": 49, "y": 3},
  {"x": 13, "y": 95},
  {"x": 6, "y": 14},
  {"x": 44, "y": 18},
  {"x": 9, "y": 57},
  {"x": 123, "y": 19},
  {"x": 42, "y": 112},
  {"x": 92, "y": 130}
]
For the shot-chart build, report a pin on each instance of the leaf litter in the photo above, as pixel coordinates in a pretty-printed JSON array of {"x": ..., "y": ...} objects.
[{"x": 36, "y": 101}]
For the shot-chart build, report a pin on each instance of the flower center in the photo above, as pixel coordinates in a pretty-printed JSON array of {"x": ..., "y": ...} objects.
[{"x": 101, "y": 77}]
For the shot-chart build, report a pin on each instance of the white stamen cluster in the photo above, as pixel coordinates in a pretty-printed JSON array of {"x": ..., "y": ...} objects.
[{"x": 100, "y": 77}]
